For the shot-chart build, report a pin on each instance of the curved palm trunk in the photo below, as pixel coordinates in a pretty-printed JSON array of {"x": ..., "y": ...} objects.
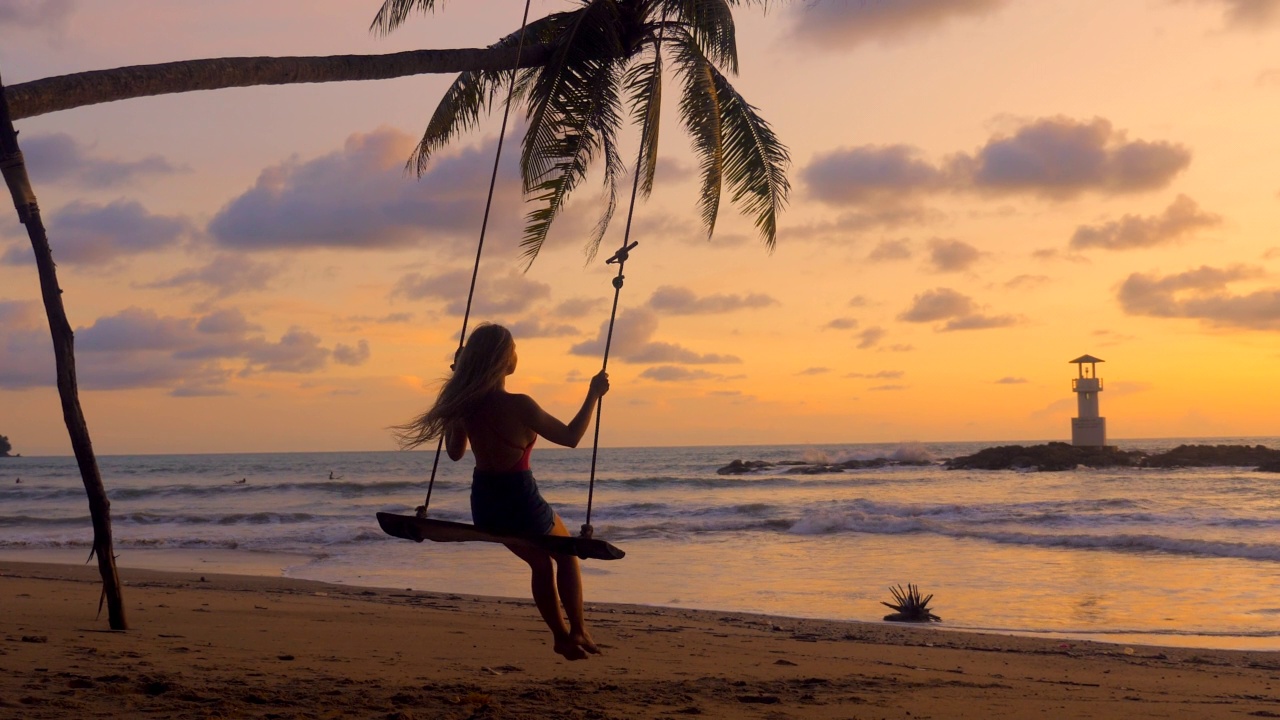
[
  {"x": 65, "y": 92},
  {"x": 24, "y": 200}
]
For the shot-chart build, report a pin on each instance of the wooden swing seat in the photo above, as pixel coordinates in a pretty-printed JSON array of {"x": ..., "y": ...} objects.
[{"x": 411, "y": 527}]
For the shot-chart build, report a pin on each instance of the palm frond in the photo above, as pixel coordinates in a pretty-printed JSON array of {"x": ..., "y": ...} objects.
[
  {"x": 393, "y": 13},
  {"x": 472, "y": 95},
  {"x": 574, "y": 112},
  {"x": 755, "y": 161},
  {"x": 644, "y": 88},
  {"x": 700, "y": 115},
  {"x": 710, "y": 24}
]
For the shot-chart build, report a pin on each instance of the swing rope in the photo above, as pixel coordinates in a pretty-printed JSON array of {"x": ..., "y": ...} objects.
[
  {"x": 421, "y": 511},
  {"x": 620, "y": 257}
]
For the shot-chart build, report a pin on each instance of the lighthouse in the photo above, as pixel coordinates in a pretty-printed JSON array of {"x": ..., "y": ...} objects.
[{"x": 1088, "y": 428}]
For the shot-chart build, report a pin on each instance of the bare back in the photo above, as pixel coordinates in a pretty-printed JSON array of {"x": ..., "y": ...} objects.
[{"x": 498, "y": 434}]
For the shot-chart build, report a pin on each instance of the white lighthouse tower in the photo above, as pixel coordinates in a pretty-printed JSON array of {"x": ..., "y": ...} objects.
[{"x": 1088, "y": 429}]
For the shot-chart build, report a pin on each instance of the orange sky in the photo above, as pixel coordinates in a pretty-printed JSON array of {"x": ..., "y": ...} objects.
[{"x": 982, "y": 191}]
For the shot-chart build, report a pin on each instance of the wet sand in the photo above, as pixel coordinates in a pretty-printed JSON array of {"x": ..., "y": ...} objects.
[{"x": 229, "y": 646}]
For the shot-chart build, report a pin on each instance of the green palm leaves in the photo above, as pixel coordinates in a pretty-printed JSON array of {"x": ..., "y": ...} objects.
[{"x": 607, "y": 61}]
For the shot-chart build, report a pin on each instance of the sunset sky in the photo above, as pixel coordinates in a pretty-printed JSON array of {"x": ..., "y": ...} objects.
[{"x": 982, "y": 190}]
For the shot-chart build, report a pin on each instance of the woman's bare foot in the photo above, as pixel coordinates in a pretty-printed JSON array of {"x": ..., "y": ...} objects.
[
  {"x": 570, "y": 649},
  {"x": 583, "y": 640}
]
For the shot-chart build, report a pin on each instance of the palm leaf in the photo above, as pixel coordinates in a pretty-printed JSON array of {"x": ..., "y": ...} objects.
[
  {"x": 644, "y": 87},
  {"x": 700, "y": 115},
  {"x": 393, "y": 13},
  {"x": 710, "y": 23},
  {"x": 755, "y": 161},
  {"x": 574, "y": 113},
  {"x": 472, "y": 95}
]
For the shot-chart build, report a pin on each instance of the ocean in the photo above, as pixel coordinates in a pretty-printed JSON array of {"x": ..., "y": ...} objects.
[{"x": 1187, "y": 557}]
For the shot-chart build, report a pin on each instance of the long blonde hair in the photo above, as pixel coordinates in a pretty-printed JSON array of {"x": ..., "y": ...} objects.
[{"x": 481, "y": 366}]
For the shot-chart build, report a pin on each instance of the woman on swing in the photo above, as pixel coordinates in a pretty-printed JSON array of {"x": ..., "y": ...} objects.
[{"x": 475, "y": 406}]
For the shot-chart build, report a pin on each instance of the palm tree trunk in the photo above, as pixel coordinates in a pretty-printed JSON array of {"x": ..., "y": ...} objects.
[
  {"x": 65, "y": 92},
  {"x": 24, "y": 199}
]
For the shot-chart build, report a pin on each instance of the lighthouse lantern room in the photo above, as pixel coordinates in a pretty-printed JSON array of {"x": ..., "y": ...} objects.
[{"x": 1088, "y": 428}]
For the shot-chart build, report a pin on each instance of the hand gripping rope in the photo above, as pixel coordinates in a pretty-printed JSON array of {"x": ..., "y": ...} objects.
[{"x": 421, "y": 510}]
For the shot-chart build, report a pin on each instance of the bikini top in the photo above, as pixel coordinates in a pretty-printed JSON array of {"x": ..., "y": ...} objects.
[{"x": 523, "y": 462}]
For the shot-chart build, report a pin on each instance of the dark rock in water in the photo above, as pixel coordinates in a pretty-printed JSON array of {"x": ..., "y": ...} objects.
[
  {"x": 1213, "y": 455},
  {"x": 1050, "y": 457},
  {"x": 739, "y": 467},
  {"x": 1270, "y": 467},
  {"x": 802, "y": 467}
]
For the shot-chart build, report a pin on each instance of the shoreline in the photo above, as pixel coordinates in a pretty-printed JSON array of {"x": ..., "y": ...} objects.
[
  {"x": 292, "y": 567},
  {"x": 251, "y": 646}
]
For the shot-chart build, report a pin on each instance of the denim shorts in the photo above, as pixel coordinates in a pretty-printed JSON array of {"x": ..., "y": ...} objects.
[{"x": 508, "y": 503}]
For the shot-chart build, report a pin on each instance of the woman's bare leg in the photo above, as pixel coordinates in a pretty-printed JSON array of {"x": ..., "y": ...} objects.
[
  {"x": 569, "y": 582},
  {"x": 548, "y": 602}
]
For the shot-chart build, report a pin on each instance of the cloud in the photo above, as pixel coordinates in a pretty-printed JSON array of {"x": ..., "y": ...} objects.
[
  {"x": 58, "y": 157},
  {"x": 870, "y": 337},
  {"x": 1026, "y": 281},
  {"x": 952, "y": 255},
  {"x": 1060, "y": 158},
  {"x": 579, "y": 307},
  {"x": 633, "y": 343},
  {"x": 675, "y": 373},
  {"x": 360, "y": 197},
  {"x": 959, "y": 311},
  {"x": 859, "y": 301},
  {"x": 1180, "y": 219},
  {"x": 536, "y": 328},
  {"x": 20, "y": 313},
  {"x": 871, "y": 174},
  {"x": 88, "y": 234},
  {"x": 1054, "y": 254},
  {"x": 1010, "y": 380},
  {"x": 1055, "y": 158},
  {"x": 191, "y": 356},
  {"x": 937, "y": 304},
  {"x": 1247, "y": 13},
  {"x": 814, "y": 371},
  {"x": 347, "y": 355},
  {"x": 881, "y": 375},
  {"x": 495, "y": 295},
  {"x": 887, "y": 388},
  {"x": 888, "y": 250},
  {"x": 225, "y": 274},
  {"x": 845, "y": 24},
  {"x": 979, "y": 322},
  {"x": 388, "y": 319},
  {"x": 683, "y": 301},
  {"x": 1202, "y": 294},
  {"x": 35, "y": 14},
  {"x": 844, "y": 323},
  {"x": 297, "y": 351}
]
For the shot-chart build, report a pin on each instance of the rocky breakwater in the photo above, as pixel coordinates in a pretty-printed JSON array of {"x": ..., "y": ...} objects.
[
  {"x": 803, "y": 467},
  {"x": 1058, "y": 456},
  {"x": 1050, "y": 457}
]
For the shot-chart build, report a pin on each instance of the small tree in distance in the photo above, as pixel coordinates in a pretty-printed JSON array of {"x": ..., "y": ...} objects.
[{"x": 5, "y": 447}]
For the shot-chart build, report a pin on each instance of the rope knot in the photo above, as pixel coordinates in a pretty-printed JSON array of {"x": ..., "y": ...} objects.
[
  {"x": 617, "y": 282},
  {"x": 587, "y": 531}
]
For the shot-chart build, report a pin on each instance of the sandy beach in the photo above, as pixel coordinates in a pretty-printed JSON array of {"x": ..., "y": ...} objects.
[{"x": 240, "y": 646}]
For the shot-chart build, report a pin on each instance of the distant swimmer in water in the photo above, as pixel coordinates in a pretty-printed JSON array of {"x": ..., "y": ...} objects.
[
  {"x": 242, "y": 481},
  {"x": 18, "y": 481},
  {"x": 332, "y": 477}
]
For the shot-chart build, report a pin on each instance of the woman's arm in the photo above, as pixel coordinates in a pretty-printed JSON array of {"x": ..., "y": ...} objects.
[
  {"x": 455, "y": 441},
  {"x": 551, "y": 428}
]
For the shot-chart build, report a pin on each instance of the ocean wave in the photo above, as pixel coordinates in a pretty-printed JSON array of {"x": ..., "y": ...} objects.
[{"x": 968, "y": 523}]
